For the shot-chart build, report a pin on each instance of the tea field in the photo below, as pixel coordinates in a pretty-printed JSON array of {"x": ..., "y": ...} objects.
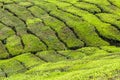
[{"x": 59, "y": 39}]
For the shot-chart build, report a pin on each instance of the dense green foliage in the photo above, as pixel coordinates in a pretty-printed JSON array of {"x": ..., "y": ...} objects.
[{"x": 59, "y": 39}]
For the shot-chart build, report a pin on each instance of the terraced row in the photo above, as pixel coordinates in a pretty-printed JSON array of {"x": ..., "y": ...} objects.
[{"x": 27, "y": 61}]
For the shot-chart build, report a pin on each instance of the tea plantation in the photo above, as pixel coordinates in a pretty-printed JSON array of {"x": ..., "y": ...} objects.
[{"x": 59, "y": 39}]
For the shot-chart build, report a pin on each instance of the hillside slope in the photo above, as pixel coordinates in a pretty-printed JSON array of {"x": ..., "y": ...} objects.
[{"x": 59, "y": 39}]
